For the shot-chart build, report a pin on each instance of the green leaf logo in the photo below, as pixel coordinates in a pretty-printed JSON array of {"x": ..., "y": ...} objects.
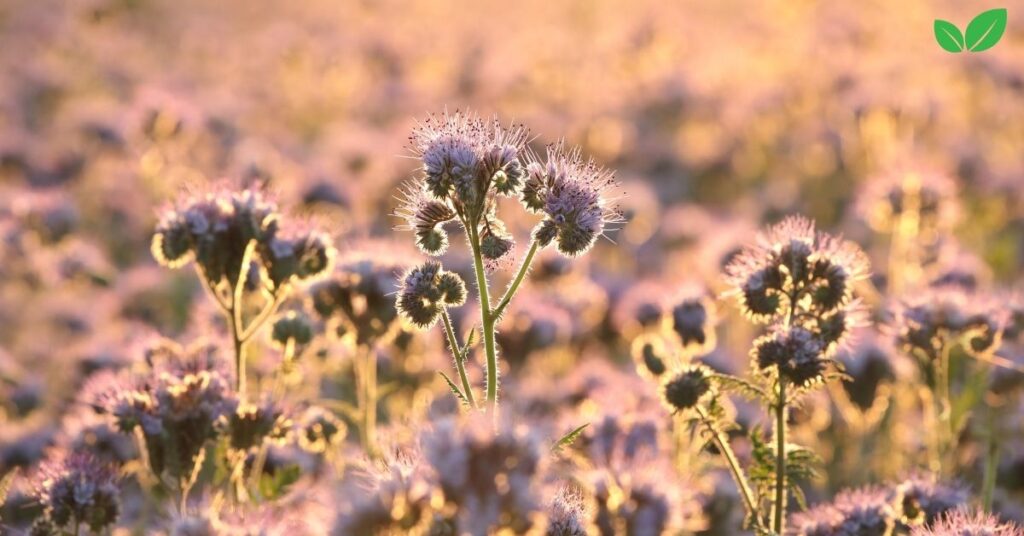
[{"x": 982, "y": 33}]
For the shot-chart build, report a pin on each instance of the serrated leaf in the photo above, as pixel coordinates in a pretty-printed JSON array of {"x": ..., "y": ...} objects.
[
  {"x": 948, "y": 36},
  {"x": 741, "y": 387},
  {"x": 455, "y": 390},
  {"x": 568, "y": 438},
  {"x": 985, "y": 30}
]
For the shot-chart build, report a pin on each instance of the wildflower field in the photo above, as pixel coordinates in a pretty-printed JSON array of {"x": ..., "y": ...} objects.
[{"x": 551, "y": 268}]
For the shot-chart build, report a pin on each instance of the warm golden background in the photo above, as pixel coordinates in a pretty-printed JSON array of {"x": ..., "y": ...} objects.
[{"x": 717, "y": 115}]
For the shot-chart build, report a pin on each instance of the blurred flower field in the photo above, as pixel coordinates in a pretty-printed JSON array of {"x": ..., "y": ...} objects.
[{"x": 551, "y": 268}]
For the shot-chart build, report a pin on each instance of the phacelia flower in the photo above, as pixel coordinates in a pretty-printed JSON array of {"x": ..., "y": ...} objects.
[
  {"x": 794, "y": 267},
  {"x": 965, "y": 523},
  {"x": 356, "y": 299},
  {"x": 925, "y": 323},
  {"x": 292, "y": 327},
  {"x": 796, "y": 353},
  {"x": 685, "y": 387},
  {"x": 489, "y": 478},
  {"x": 319, "y": 431},
  {"x": 921, "y": 499},
  {"x": 468, "y": 160},
  {"x": 572, "y": 194},
  {"x": 691, "y": 316},
  {"x": 78, "y": 490},
  {"x": 425, "y": 216},
  {"x": 426, "y": 291}
]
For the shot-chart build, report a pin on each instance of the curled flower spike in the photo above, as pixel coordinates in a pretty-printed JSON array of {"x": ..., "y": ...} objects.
[
  {"x": 426, "y": 290},
  {"x": 572, "y": 193},
  {"x": 965, "y": 523},
  {"x": 685, "y": 387},
  {"x": 425, "y": 216},
  {"x": 468, "y": 160},
  {"x": 796, "y": 353},
  {"x": 292, "y": 326},
  {"x": 792, "y": 266},
  {"x": 78, "y": 489},
  {"x": 250, "y": 425}
]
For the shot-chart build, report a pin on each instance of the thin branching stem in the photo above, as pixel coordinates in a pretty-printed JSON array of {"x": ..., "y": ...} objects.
[
  {"x": 486, "y": 321},
  {"x": 738, "y": 476},
  {"x": 513, "y": 286},
  {"x": 460, "y": 359}
]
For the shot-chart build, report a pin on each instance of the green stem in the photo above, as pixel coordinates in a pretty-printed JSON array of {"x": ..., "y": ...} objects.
[
  {"x": 734, "y": 466},
  {"x": 991, "y": 465},
  {"x": 460, "y": 358},
  {"x": 779, "y": 517},
  {"x": 524, "y": 268},
  {"x": 945, "y": 418},
  {"x": 486, "y": 321},
  {"x": 367, "y": 365},
  {"x": 235, "y": 319}
]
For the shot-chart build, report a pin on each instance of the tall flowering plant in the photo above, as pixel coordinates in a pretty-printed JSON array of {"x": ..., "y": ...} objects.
[{"x": 467, "y": 164}]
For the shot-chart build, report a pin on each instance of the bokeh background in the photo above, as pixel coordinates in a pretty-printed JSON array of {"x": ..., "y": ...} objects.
[{"x": 718, "y": 116}]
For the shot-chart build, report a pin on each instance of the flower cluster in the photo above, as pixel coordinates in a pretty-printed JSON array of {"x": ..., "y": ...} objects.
[
  {"x": 177, "y": 404},
  {"x": 572, "y": 194},
  {"x": 918, "y": 500},
  {"x": 426, "y": 291},
  {"x": 801, "y": 283},
  {"x": 76, "y": 489},
  {"x": 965, "y": 523},
  {"x": 488, "y": 478},
  {"x": 356, "y": 299},
  {"x": 229, "y": 233},
  {"x": 938, "y": 318}
]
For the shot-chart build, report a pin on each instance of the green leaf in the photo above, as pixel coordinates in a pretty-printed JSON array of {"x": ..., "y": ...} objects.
[
  {"x": 454, "y": 388},
  {"x": 276, "y": 484},
  {"x": 741, "y": 387},
  {"x": 986, "y": 30},
  {"x": 948, "y": 36},
  {"x": 568, "y": 438}
]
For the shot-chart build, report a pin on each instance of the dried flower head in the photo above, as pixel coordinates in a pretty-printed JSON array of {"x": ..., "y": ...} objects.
[
  {"x": 426, "y": 291},
  {"x": 572, "y": 193},
  {"x": 78, "y": 489}
]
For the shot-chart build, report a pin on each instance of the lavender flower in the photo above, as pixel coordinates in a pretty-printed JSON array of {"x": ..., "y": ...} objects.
[
  {"x": 965, "y": 523},
  {"x": 921, "y": 499}
]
